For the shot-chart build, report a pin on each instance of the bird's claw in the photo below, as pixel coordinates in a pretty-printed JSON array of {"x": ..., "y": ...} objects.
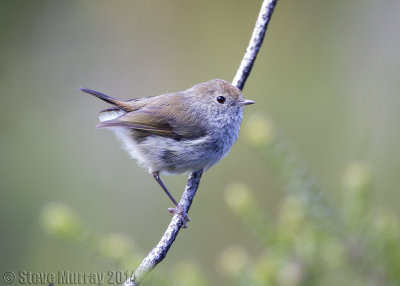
[{"x": 180, "y": 212}]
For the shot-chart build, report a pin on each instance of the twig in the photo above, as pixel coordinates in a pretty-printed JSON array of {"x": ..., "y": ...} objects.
[
  {"x": 160, "y": 250},
  {"x": 254, "y": 46}
]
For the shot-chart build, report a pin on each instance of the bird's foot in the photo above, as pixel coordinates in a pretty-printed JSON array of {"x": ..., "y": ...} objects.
[{"x": 180, "y": 212}]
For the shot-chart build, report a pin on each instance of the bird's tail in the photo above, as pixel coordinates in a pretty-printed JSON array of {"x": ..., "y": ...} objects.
[{"x": 118, "y": 103}]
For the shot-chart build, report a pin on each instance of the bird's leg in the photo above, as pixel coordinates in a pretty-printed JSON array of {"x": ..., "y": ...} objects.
[
  {"x": 177, "y": 210},
  {"x": 156, "y": 176}
]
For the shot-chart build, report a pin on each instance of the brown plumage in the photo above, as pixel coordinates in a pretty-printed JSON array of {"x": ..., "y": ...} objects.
[{"x": 177, "y": 132}]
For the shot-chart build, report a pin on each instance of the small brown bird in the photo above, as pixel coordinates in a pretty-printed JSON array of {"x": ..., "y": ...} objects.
[{"x": 177, "y": 132}]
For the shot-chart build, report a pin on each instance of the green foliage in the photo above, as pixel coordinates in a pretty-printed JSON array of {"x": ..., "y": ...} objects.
[
  {"x": 310, "y": 243},
  {"x": 313, "y": 243},
  {"x": 62, "y": 222}
]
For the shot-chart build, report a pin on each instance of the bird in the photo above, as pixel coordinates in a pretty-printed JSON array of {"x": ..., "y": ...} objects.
[{"x": 174, "y": 133}]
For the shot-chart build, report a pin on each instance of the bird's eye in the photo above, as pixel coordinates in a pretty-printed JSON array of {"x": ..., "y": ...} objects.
[{"x": 221, "y": 99}]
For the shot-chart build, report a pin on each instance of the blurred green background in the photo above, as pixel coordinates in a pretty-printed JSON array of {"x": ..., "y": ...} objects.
[{"x": 327, "y": 79}]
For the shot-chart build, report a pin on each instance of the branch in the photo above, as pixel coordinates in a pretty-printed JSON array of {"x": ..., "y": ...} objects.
[
  {"x": 255, "y": 43},
  {"x": 160, "y": 250}
]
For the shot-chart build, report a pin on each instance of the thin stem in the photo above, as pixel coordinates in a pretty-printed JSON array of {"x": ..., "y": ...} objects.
[
  {"x": 178, "y": 221},
  {"x": 255, "y": 43},
  {"x": 158, "y": 253}
]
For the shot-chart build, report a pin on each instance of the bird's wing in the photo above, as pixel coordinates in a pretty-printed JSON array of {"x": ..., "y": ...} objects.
[
  {"x": 156, "y": 123},
  {"x": 165, "y": 115},
  {"x": 141, "y": 120}
]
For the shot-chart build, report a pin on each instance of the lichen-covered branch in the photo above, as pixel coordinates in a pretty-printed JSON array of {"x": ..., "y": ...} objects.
[
  {"x": 160, "y": 250},
  {"x": 158, "y": 253},
  {"x": 255, "y": 43}
]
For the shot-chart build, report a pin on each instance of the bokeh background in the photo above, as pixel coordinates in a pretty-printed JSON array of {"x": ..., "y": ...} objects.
[{"x": 327, "y": 79}]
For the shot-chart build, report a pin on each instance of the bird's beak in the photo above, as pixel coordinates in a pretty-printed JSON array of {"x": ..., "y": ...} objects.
[{"x": 248, "y": 102}]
